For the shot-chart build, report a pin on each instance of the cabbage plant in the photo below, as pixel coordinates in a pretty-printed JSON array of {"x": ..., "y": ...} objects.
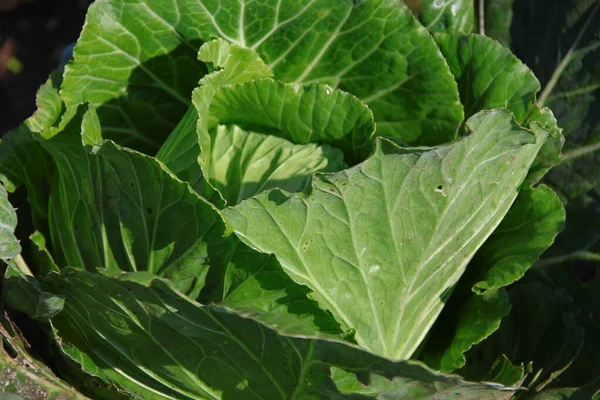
[{"x": 325, "y": 199}]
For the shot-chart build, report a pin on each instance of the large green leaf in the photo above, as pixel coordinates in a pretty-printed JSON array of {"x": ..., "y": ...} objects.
[
  {"x": 142, "y": 73},
  {"x": 381, "y": 230},
  {"x": 137, "y": 60},
  {"x": 109, "y": 325},
  {"x": 445, "y": 15}
]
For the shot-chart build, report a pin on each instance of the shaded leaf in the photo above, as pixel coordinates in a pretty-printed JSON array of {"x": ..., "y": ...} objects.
[
  {"x": 255, "y": 284},
  {"x": 498, "y": 15},
  {"x": 541, "y": 328},
  {"x": 565, "y": 394},
  {"x": 247, "y": 163},
  {"x": 119, "y": 210},
  {"x": 22, "y": 292},
  {"x": 208, "y": 352},
  {"x": 23, "y": 162},
  {"x": 504, "y": 372},
  {"x": 563, "y": 51}
]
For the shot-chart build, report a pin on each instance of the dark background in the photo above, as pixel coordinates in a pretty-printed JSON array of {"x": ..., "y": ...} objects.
[{"x": 36, "y": 32}]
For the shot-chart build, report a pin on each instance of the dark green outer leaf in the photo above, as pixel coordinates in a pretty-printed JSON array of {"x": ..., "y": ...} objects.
[
  {"x": 24, "y": 162},
  {"x": 22, "y": 293},
  {"x": 542, "y": 327},
  {"x": 140, "y": 334},
  {"x": 468, "y": 319},
  {"x": 580, "y": 279},
  {"x": 255, "y": 284},
  {"x": 565, "y": 394},
  {"x": 119, "y": 210},
  {"x": 562, "y": 46},
  {"x": 529, "y": 228},
  {"x": 498, "y": 15}
]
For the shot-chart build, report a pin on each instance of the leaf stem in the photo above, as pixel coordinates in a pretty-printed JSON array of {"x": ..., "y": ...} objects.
[
  {"x": 481, "y": 17},
  {"x": 560, "y": 68},
  {"x": 579, "y": 152},
  {"x": 576, "y": 255},
  {"x": 576, "y": 92},
  {"x": 22, "y": 265}
]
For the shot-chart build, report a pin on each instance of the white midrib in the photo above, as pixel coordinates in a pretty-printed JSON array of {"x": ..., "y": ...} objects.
[
  {"x": 321, "y": 53},
  {"x": 241, "y": 28}
]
